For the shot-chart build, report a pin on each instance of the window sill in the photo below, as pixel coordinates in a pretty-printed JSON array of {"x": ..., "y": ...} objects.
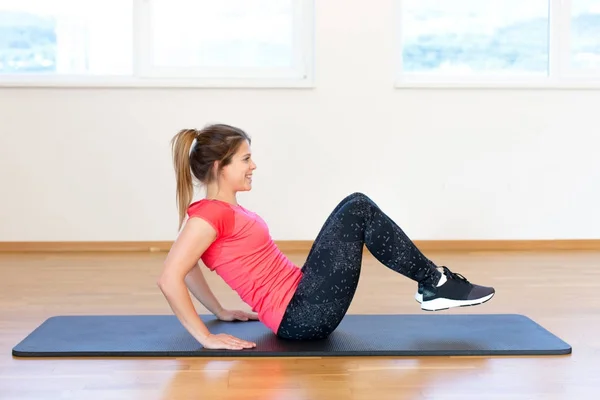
[
  {"x": 116, "y": 82},
  {"x": 566, "y": 84}
]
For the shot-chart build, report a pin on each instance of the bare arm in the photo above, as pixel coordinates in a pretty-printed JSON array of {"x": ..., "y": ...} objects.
[
  {"x": 194, "y": 239},
  {"x": 197, "y": 284}
]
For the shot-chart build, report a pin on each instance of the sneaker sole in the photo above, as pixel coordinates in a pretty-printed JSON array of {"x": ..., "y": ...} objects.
[
  {"x": 445, "y": 304},
  {"x": 419, "y": 298}
]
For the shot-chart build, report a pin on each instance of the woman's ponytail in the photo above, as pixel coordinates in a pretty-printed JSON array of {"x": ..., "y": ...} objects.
[{"x": 181, "y": 145}]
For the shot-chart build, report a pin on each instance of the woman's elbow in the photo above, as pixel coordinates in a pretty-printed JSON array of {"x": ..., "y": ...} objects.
[{"x": 166, "y": 282}]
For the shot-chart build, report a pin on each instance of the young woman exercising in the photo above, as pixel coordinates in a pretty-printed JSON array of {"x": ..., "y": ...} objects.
[{"x": 295, "y": 303}]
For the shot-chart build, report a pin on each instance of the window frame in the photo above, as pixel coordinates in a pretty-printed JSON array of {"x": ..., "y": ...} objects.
[
  {"x": 559, "y": 76},
  {"x": 301, "y": 75}
]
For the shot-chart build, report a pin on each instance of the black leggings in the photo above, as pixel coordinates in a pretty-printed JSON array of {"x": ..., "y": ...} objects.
[{"x": 331, "y": 272}]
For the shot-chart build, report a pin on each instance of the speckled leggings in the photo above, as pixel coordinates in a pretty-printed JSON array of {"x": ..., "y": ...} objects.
[{"x": 332, "y": 269}]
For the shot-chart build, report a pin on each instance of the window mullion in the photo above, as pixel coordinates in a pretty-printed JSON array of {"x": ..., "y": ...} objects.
[
  {"x": 560, "y": 38},
  {"x": 303, "y": 17},
  {"x": 142, "y": 37}
]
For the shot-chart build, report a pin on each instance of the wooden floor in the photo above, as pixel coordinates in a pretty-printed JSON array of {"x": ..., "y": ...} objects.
[{"x": 559, "y": 290}]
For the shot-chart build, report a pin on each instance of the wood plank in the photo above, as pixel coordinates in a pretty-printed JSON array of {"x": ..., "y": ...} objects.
[
  {"x": 557, "y": 289},
  {"x": 305, "y": 245}
]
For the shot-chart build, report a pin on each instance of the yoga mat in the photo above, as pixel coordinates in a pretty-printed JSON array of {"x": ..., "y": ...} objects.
[{"x": 357, "y": 335}]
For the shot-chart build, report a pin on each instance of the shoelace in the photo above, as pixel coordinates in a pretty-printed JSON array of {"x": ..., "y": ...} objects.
[{"x": 454, "y": 275}]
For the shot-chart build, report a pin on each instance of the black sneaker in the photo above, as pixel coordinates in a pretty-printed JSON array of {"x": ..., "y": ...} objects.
[
  {"x": 419, "y": 294},
  {"x": 457, "y": 291}
]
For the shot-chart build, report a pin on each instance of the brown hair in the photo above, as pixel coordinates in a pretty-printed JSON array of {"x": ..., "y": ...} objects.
[{"x": 217, "y": 142}]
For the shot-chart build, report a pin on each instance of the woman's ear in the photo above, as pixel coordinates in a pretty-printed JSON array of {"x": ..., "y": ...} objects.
[{"x": 216, "y": 170}]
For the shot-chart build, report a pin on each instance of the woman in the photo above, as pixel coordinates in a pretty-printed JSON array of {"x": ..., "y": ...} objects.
[{"x": 295, "y": 303}]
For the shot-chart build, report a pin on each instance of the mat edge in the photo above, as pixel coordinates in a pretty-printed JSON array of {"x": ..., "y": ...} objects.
[
  {"x": 568, "y": 349},
  {"x": 241, "y": 354}
]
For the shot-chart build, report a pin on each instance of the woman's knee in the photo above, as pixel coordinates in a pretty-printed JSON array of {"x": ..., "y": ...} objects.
[
  {"x": 356, "y": 203},
  {"x": 361, "y": 198},
  {"x": 348, "y": 199},
  {"x": 357, "y": 196}
]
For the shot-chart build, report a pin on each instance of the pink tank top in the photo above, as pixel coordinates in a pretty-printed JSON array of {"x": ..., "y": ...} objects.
[{"x": 245, "y": 256}]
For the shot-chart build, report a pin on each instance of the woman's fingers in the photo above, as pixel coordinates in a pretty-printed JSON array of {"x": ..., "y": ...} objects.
[
  {"x": 225, "y": 341},
  {"x": 232, "y": 344},
  {"x": 242, "y": 342},
  {"x": 244, "y": 316}
]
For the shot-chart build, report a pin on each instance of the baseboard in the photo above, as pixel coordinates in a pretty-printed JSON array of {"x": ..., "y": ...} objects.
[
  {"x": 508, "y": 245},
  {"x": 305, "y": 245}
]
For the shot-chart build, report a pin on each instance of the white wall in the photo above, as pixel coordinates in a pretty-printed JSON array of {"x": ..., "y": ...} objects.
[{"x": 94, "y": 164}]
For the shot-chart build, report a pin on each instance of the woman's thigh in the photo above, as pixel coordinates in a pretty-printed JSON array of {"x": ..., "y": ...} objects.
[{"x": 330, "y": 277}]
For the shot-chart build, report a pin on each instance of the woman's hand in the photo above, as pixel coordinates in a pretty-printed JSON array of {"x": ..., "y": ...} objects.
[
  {"x": 225, "y": 341},
  {"x": 236, "y": 315}
]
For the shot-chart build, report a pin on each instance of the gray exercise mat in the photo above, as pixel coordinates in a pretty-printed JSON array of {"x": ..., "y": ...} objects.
[{"x": 357, "y": 335}]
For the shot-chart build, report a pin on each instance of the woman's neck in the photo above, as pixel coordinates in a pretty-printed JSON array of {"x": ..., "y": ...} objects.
[{"x": 215, "y": 194}]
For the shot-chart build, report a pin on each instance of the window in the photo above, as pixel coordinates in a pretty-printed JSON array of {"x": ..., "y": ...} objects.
[
  {"x": 146, "y": 42},
  {"x": 584, "y": 37},
  {"x": 533, "y": 42}
]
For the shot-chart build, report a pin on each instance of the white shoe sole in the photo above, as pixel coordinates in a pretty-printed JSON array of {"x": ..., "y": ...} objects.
[
  {"x": 418, "y": 297},
  {"x": 444, "y": 304}
]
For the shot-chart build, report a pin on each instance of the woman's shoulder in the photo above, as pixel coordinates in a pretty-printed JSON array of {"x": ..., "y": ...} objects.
[
  {"x": 217, "y": 213},
  {"x": 208, "y": 205}
]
